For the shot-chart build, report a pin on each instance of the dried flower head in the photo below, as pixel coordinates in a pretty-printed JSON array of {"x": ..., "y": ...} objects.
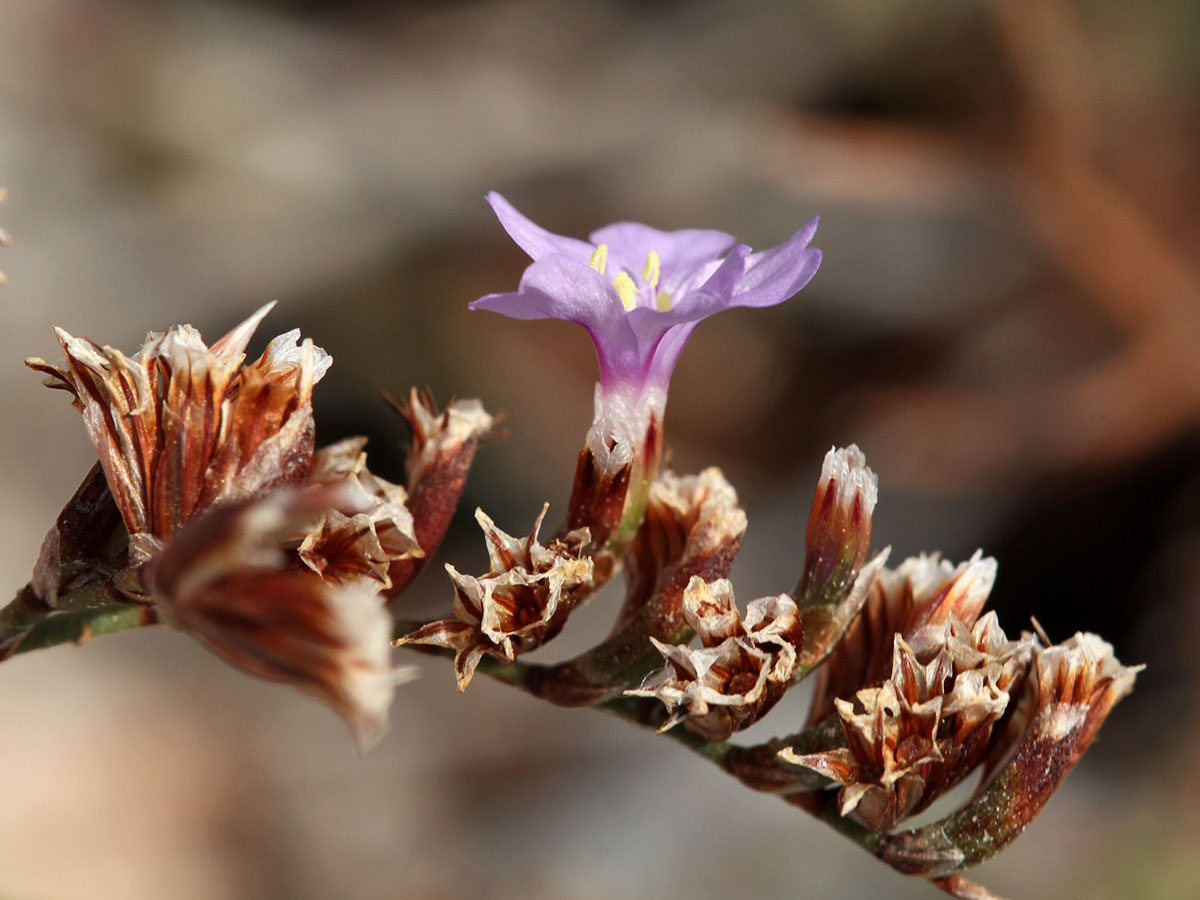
[
  {"x": 925, "y": 727},
  {"x": 228, "y": 580},
  {"x": 917, "y": 601},
  {"x": 742, "y": 669},
  {"x": 180, "y": 426},
  {"x": 521, "y": 602},
  {"x": 1073, "y": 687},
  {"x": 693, "y": 528},
  {"x": 356, "y": 546}
]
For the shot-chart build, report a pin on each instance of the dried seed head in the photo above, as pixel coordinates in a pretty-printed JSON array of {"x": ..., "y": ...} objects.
[
  {"x": 926, "y": 727},
  {"x": 356, "y": 544},
  {"x": 228, "y": 580},
  {"x": 180, "y": 426},
  {"x": 437, "y": 436},
  {"x": 741, "y": 671},
  {"x": 522, "y": 601},
  {"x": 693, "y": 526},
  {"x": 916, "y": 600},
  {"x": 1072, "y": 688}
]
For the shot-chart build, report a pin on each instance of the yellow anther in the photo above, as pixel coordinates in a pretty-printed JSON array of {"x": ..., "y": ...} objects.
[
  {"x": 599, "y": 258},
  {"x": 652, "y": 270},
  {"x": 626, "y": 290},
  {"x": 663, "y": 301}
]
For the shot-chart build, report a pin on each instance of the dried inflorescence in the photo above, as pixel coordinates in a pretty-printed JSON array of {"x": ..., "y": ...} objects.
[
  {"x": 280, "y": 559},
  {"x": 928, "y": 725},
  {"x": 1072, "y": 687},
  {"x": 742, "y": 669},
  {"x": 521, "y": 602},
  {"x": 239, "y": 532},
  {"x": 180, "y": 426},
  {"x": 916, "y": 600},
  {"x": 228, "y": 580}
]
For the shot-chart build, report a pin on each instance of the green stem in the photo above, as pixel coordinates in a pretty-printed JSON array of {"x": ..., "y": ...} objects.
[
  {"x": 80, "y": 626},
  {"x": 94, "y": 607}
]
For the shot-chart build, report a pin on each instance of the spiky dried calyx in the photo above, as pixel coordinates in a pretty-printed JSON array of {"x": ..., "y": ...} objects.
[
  {"x": 693, "y": 527},
  {"x": 1072, "y": 687},
  {"x": 355, "y": 546},
  {"x": 742, "y": 669},
  {"x": 926, "y": 726},
  {"x": 180, "y": 426},
  {"x": 522, "y": 601},
  {"x": 915, "y": 600}
]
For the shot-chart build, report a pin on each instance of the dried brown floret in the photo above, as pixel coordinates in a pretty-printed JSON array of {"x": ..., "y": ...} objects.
[
  {"x": 742, "y": 669},
  {"x": 915, "y": 600},
  {"x": 1072, "y": 688},
  {"x": 443, "y": 448},
  {"x": 357, "y": 544},
  {"x": 180, "y": 426},
  {"x": 925, "y": 727},
  {"x": 521, "y": 602}
]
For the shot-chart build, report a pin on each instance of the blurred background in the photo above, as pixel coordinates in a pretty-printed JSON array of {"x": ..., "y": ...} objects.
[{"x": 1007, "y": 321}]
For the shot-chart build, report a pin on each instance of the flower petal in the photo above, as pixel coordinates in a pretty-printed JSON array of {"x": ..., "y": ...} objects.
[
  {"x": 679, "y": 252},
  {"x": 533, "y": 238},
  {"x": 775, "y": 275},
  {"x": 560, "y": 288}
]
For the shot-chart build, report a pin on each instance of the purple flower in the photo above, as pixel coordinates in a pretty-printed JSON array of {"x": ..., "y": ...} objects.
[{"x": 640, "y": 292}]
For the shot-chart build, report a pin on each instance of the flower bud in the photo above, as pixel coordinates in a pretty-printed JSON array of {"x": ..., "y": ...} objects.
[{"x": 443, "y": 448}]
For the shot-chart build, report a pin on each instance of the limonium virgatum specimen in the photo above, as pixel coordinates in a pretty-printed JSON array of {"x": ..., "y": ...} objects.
[{"x": 211, "y": 510}]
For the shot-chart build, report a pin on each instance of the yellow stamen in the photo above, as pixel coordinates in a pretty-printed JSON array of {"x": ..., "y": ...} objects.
[
  {"x": 599, "y": 258},
  {"x": 626, "y": 290},
  {"x": 652, "y": 270},
  {"x": 663, "y": 301}
]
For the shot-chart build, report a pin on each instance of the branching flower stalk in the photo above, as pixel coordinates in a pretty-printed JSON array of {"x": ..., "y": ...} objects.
[{"x": 211, "y": 510}]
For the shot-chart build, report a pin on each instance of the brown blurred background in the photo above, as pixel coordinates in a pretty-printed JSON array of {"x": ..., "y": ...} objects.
[{"x": 1007, "y": 321}]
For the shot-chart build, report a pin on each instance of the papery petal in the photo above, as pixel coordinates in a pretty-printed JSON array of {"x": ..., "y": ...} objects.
[{"x": 533, "y": 238}]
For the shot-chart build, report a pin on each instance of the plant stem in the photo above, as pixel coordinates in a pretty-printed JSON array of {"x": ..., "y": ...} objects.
[{"x": 94, "y": 607}]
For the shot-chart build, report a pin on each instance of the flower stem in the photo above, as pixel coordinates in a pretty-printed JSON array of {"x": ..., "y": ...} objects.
[{"x": 94, "y": 607}]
